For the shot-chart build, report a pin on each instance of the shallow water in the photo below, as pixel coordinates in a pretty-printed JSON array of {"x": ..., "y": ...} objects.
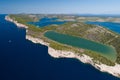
[{"x": 107, "y": 51}]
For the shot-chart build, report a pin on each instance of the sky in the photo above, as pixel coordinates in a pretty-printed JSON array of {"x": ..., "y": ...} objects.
[{"x": 60, "y": 6}]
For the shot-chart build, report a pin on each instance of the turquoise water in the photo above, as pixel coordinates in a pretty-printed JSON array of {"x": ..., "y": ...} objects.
[
  {"x": 47, "y": 21},
  {"x": 107, "y": 51}
]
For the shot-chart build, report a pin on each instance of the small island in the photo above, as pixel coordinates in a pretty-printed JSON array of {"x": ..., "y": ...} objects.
[{"x": 70, "y": 36}]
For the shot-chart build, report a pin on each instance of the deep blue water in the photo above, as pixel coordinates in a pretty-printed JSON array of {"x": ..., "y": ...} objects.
[
  {"x": 110, "y": 25},
  {"x": 21, "y": 59},
  {"x": 47, "y": 21}
]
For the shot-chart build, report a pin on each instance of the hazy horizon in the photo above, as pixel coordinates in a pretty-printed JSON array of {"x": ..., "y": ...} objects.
[{"x": 93, "y": 7}]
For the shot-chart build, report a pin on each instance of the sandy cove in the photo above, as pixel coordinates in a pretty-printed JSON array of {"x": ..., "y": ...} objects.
[{"x": 114, "y": 70}]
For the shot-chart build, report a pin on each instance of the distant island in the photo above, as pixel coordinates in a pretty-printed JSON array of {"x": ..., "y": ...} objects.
[{"x": 71, "y": 36}]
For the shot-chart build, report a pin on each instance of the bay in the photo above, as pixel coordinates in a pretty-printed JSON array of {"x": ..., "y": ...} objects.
[
  {"x": 109, "y": 25},
  {"x": 47, "y": 21}
]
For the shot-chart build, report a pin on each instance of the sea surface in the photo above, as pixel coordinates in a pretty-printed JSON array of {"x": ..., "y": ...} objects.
[
  {"x": 47, "y": 21},
  {"x": 109, "y": 25},
  {"x": 21, "y": 59}
]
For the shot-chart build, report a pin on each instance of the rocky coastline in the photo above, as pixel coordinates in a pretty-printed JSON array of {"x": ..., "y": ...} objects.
[
  {"x": 114, "y": 70},
  {"x": 15, "y": 22}
]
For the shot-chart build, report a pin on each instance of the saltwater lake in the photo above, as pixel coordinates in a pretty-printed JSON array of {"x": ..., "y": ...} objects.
[
  {"x": 21, "y": 59},
  {"x": 104, "y": 50}
]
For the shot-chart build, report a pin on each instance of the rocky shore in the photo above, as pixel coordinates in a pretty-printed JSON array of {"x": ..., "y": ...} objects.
[
  {"x": 114, "y": 70},
  {"x": 15, "y": 22}
]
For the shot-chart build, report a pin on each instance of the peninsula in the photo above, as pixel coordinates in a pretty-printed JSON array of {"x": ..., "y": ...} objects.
[{"x": 70, "y": 37}]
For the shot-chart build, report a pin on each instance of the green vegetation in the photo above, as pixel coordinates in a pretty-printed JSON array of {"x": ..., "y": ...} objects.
[
  {"x": 79, "y": 29},
  {"x": 106, "y": 51}
]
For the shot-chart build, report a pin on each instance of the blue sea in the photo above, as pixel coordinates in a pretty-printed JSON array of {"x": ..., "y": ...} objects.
[
  {"x": 109, "y": 25},
  {"x": 47, "y": 21},
  {"x": 21, "y": 59}
]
